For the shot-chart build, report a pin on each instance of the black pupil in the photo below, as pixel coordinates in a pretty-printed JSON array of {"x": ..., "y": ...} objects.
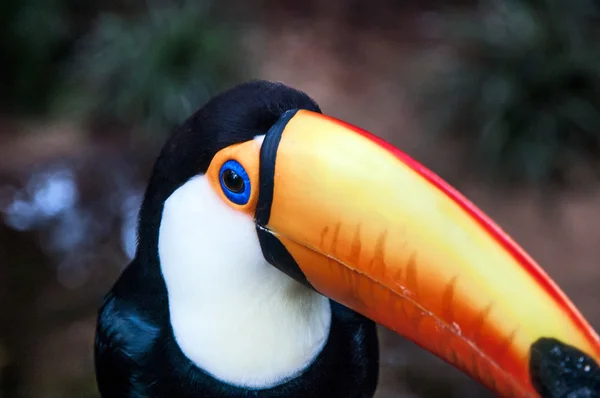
[{"x": 233, "y": 181}]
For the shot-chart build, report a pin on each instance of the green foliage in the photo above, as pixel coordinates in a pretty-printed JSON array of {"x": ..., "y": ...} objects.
[
  {"x": 153, "y": 69},
  {"x": 519, "y": 83},
  {"x": 148, "y": 63},
  {"x": 34, "y": 35}
]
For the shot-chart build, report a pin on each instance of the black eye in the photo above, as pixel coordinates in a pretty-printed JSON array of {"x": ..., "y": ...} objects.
[{"x": 233, "y": 181}]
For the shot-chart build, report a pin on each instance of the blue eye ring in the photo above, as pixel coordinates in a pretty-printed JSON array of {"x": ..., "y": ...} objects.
[{"x": 235, "y": 182}]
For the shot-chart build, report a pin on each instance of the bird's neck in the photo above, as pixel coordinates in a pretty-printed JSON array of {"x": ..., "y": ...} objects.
[
  {"x": 255, "y": 334},
  {"x": 232, "y": 313}
]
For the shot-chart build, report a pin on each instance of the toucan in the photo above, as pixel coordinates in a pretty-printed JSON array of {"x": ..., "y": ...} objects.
[{"x": 273, "y": 239}]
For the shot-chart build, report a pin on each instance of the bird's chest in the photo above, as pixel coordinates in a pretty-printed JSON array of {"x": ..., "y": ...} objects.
[{"x": 347, "y": 366}]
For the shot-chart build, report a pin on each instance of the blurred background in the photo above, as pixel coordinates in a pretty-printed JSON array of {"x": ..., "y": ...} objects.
[{"x": 501, "y": 98}]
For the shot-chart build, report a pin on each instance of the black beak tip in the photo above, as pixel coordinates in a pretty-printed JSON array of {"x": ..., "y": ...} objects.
[{"x": 559, "y": 370}]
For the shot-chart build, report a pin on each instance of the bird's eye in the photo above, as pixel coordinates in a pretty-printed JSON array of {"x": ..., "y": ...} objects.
[{"x": 235, "y": 182}]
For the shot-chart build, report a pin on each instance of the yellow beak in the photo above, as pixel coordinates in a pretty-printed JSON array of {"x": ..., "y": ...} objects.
[{"x": 370, "y": 228}]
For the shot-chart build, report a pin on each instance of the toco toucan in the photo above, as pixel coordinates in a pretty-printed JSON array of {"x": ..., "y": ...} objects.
[{"x": 271, "y": 241}]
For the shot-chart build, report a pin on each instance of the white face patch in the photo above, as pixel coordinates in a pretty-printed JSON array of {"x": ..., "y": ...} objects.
[{"x": 233, "y": 314}]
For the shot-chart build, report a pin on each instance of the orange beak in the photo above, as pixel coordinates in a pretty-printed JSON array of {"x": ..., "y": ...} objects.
[{"x": 367, "y": 226}]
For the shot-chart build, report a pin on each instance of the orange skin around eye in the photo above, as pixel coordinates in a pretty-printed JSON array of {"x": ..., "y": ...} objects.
[{"x": 248, "y": 155}]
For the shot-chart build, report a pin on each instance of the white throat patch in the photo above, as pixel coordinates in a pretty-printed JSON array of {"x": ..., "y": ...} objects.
[{"x": 233, "y": 314}]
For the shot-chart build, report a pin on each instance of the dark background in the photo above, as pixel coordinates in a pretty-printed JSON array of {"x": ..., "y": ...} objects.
[{"x": 501, "y": 98}]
